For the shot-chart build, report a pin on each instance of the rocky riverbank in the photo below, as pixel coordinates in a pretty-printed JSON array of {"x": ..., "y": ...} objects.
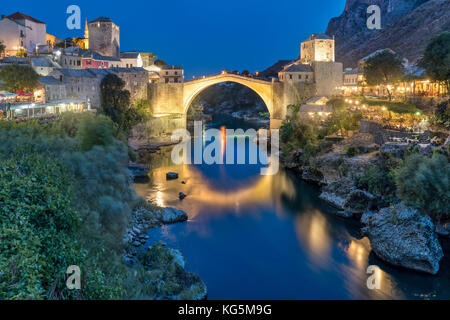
[
  {"x": 164, "y": 267},
  {"x": 399, "y": 235}
]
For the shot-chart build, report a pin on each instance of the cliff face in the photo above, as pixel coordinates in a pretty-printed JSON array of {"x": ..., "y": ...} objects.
[{"x": 407, "y": 26}]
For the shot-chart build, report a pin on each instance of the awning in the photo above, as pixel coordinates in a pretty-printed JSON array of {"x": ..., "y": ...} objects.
[
  {"x": 23, "y": 93},
  {"x": 7, "y": 94}
]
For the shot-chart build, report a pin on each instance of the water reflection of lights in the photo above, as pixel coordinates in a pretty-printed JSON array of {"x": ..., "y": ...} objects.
[
  {"x": 356, "y": 276},
  {"x": 202, "y": 193},
  {"x": 311, "y": 229}
]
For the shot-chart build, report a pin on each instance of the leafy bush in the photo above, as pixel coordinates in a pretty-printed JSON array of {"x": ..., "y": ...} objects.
[
  {"x": 424, "y": 183},
  {"x": 379, "y": 181},
  {"x": 83, "y": 166},
  {"x": 296, "y": 133},
  {"x": 352, "y": 151}
]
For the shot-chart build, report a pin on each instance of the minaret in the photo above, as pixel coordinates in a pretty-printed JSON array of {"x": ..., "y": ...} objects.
[{"x": 86, "y": 36}]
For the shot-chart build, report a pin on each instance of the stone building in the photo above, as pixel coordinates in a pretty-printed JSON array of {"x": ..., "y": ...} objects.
[
  {"x": 19, "y": 31},
  {"x": 84, "y": 84},
  {"x": 297, "y": 73},
  {"x": 77, "y": 58},
  {"x": 136, "y": 80},
  {"x": 104, "y": 37},
  {"x": 319, "y": 47},
  {"x": 43, "y": 65},
  {"x": 131, "y": 59},
  {"x": 171, "y": 74},
  {"x": 79, "y": 84},
  {"x": 53, "y": 89},
  {"x": 315, "y": 66}
]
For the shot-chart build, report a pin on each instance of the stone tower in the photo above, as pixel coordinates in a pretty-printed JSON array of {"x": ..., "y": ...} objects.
[
  {"x": 319, "y": 47},
  {"x": 104, "y": 37}
]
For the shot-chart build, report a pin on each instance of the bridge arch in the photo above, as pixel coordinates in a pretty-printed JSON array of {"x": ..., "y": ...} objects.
[{"x": 262, "y": 88}]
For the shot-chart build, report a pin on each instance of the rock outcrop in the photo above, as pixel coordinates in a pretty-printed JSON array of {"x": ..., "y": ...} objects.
[
  {"x": 403, "y": 237},
  {"x": 407, "y": 26},
  {"x": 344, "y": 196}
]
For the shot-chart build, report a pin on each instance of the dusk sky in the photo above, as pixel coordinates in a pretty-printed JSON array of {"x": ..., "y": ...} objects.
[{"x": 205, "y": 36}]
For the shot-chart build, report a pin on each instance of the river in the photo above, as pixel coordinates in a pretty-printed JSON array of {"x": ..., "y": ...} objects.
[{"x": 270, "y": 237}]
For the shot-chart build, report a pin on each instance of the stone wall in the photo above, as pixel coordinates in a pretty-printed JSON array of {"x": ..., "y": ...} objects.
[
  {"x": 166, "y": 98},
  {"x": 296, "y": 93},
  {"x": 382, "y": 135},
  {"x": 328, "y": 77}
]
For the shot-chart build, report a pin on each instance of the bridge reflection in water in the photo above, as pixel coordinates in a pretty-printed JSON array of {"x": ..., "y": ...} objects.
[{"x": 268, "y": 237}]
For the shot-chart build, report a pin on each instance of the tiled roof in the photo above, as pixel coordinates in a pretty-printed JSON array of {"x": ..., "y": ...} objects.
[
  {"x": 49, "y": 80},
  {"x": 102, "y": 19},
  {"x": 22, "y": 16},
  {"x": 97, "y": 56},
  {"x": 351, "y": 71},
  {"x": 130, "y": 70},
  {"x": 298, "y": 68},
  {"x": 44, "y": 62},
  {"x": 129, "y": 55},
  {"x": 77, "y": 73},
  {"x": 171, "y": 67},
  {"x": 377, "y": 52},
  {"x": 320, "y": 36}
]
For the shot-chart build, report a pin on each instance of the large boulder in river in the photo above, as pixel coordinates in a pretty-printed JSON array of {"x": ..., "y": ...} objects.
[
  {"x": 404, "y": 237},
  {"x": 171, "y": 215}
]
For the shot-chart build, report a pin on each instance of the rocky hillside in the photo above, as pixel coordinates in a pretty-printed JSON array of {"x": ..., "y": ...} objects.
[{"x": 407, "y": 26}]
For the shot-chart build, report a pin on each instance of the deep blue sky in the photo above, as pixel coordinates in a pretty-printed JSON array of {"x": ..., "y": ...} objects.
[{"x": 205, "y": 36}]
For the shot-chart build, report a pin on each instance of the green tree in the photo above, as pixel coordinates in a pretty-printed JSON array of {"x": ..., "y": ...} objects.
[
  {"x": 17, "y": 77},
  {"x": 424, "y": 183},
  {"x": 2, "y": 48},
  {"x": 116, "y": 102},
  {"x": 160, "y": 63},
  {"x": 384, "y": 68},
  {"x": 436, "y": 59}
]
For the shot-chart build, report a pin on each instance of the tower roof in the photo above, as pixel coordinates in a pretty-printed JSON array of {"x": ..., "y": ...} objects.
[
  {"x": 101, "y": 19},
  {"x": 320, "y": 36}
]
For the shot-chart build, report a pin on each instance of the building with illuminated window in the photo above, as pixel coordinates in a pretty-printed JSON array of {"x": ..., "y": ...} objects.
[{"x": 22, "y": 33}]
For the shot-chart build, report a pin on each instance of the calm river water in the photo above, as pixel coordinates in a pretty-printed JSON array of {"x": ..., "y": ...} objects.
[{"x": 270, "y": 237}]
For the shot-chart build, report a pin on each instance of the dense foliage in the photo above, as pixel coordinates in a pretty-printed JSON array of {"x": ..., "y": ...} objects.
[
  {"x": 424, "y": 183},
  {"x": 116, "y": 103},
  {"x": 384, "y": 68},
  {"x": 69, "y": 199},
  {"x": 436, "y": 59},
  {"x": 401, "y": 107},
  {"x": 2, "y": 48},
  {"x": 17, "y": 77}
]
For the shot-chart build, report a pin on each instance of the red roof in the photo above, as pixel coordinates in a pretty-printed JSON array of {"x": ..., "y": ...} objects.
[{"x": 22, "y": 16}]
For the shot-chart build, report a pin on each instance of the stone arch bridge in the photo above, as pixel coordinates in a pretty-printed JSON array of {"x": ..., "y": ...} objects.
[{"x": 172, "y": 100}]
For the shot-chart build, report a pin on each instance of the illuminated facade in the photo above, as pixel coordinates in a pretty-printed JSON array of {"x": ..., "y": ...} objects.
[
  {"x": 319, "y": 47},
  {"x": 22, "y": 33},
  {"x": 104, "y": 37}
]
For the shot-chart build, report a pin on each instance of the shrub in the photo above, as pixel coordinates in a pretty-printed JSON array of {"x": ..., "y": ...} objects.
[
  {"x": 379, "y": 181},
  {"x": 352, "y": 151},
  {"x": 424, "y": 183},
  {"x": 85, "y": 167}
]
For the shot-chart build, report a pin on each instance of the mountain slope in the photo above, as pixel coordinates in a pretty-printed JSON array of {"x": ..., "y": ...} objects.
[{"x": 407, "y": 26}]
